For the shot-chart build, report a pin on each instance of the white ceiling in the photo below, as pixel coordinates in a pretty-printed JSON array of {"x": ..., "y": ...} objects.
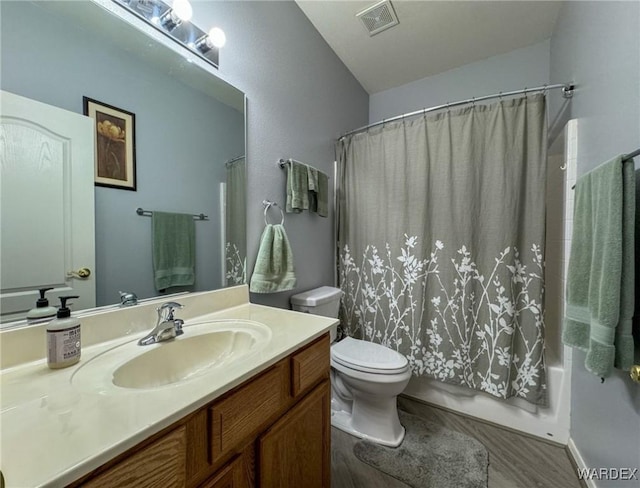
[{"x": 432, "y": 37}]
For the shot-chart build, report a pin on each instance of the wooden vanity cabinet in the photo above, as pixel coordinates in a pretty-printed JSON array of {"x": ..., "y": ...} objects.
[
  {"x": 295, "y": 451},
  {"x": 271, "y": 431}
]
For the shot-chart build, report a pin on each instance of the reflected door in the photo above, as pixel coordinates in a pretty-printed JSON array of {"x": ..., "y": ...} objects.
[{"x": 46, "y": 205}]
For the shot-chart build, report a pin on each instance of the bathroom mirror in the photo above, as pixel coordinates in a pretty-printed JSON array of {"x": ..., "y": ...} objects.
[{"x": 189, "y": 147}]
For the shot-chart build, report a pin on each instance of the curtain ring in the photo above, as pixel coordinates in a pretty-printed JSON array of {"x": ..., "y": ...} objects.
[
  {"x": 473, "y": 101},
  {"x": 447, "y": 106},
  {"x": 267, "y": 205},
  {"x": 500, "y": 95},
  {"x": 544, "y": 89}
]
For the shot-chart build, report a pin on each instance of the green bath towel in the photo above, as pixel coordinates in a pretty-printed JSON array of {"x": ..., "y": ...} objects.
[
  {"x": 274, "y": 270},
  {"x": 297, "y": 187},
  {"x": 318, "y": 191},
  {"x": 174, "y": 249},
  {"x": 600, "y": 280},
  {"x": 307, "y": 189},
  {"x": 322, "y": 195}
]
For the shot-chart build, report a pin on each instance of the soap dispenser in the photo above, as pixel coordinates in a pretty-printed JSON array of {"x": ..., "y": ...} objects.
[
  {"x": 42, "y": 309},
  {"x": 63, "y": 338}
]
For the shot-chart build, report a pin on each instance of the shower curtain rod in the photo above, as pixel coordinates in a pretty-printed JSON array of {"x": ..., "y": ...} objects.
[
  {"x": 567, "y": 92},
  {"x": 231, "y": 161}
]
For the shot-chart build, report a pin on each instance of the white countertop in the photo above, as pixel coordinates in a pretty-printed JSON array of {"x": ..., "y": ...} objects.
[{"x": 53, "y": 432}]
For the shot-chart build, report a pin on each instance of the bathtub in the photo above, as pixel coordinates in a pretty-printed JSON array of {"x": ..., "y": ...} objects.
[{"x": 550, "y": 423}]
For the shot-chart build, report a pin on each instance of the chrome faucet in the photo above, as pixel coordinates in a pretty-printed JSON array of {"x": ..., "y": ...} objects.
[{"x": 167, "y": 327}]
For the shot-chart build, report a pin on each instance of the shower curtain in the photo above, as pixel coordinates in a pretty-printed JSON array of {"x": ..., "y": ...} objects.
[
  {"x": 236, "y": 224},
  {"x": 441, "y": 232}
]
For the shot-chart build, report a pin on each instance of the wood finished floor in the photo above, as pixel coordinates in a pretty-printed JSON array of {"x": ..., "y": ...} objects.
[{"x": 515, "y": 461}]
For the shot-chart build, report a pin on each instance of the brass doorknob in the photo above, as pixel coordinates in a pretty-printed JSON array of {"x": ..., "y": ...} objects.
[
  {"x": 635, "y": 373},
  {"x": 82, "y": 273}
]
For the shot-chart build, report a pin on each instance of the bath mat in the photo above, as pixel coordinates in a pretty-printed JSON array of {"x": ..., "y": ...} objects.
[{"x": 431, "y": 456}]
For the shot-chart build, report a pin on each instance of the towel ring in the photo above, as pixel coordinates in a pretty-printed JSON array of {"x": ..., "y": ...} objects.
[{"x": 267, "y": 205}]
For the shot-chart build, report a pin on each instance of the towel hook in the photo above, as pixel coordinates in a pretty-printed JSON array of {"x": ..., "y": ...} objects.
[{"x": 267, "y": 205}]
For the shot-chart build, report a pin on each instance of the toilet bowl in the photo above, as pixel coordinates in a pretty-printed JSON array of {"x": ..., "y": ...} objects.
[{"x": 366, "y": 378}]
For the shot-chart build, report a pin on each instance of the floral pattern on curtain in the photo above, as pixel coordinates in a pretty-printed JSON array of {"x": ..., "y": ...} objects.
[
  {"x": 236, "y": 224},
  {"x": 441, "y": 222}
]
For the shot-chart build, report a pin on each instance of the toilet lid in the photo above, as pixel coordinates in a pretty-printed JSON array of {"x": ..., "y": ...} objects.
[{"x": 368, "y": 356}]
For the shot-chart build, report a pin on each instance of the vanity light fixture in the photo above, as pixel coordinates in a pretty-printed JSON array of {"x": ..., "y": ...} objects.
[
  {"x": 180, "y": 11},
  {"x": 173, "y": 20},
  {"x": 215, "y": 38}
]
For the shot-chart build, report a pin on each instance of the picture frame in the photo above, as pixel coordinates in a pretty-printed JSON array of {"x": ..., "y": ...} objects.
[{"x": 115, "y": 147}]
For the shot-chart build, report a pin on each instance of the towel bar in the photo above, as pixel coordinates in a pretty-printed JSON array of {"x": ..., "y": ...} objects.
[
  {"x": 282, "y": 163},
  {"x": 148, "y": 213}
]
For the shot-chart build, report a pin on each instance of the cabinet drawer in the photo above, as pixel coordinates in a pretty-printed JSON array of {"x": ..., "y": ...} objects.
[
  {"x": 310, "y": 365},
  {"x": 250, "y": 408},
  {"x": 161, "y": 463}
]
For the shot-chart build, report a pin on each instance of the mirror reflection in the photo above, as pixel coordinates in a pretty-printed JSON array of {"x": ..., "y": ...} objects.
[{"x": 189, "y": 153}]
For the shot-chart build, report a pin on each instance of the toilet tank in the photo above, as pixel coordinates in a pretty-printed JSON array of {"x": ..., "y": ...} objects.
[{"x": 323, "y": 301}]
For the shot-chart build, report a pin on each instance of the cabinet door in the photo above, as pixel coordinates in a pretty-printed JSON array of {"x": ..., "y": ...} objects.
[
  {"x": 295, "y": 451},
  {"x": 231, "y": 476}
]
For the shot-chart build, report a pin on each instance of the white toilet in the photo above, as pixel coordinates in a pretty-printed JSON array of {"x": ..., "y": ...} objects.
[{"x": 366, "y": 377}]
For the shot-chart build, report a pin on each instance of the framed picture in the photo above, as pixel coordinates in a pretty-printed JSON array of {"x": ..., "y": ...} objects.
[{"x": 115, "y": 159}]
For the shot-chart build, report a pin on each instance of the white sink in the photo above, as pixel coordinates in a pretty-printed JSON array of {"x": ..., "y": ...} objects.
[{"x": 204, "y": 348}]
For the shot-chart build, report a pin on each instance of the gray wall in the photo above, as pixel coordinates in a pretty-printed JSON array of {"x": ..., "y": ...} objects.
[
  {"x": 300, "y": 98},
  {"x": 183, "y": 138},
  {"x": 597, "y": 44},
  {"x": 525, "y": 67}
]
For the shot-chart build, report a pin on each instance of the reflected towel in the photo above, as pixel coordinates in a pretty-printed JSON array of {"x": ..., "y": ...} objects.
[
  {"x": 274, "y": 269},
  {"x": 174, "y": 246},
  {"x": 600, "y": 280}
]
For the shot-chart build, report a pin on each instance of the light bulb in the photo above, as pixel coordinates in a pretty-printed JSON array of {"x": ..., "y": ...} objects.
[
  {"x": 217, "y": 37},
  {"x": 182, "y": 9}
]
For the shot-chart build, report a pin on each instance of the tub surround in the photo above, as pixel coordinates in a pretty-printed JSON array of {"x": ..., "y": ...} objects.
[{"x": 54, "y": 432}]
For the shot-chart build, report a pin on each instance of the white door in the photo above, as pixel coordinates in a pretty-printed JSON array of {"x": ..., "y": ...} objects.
[{"x": 46, "y": 205}]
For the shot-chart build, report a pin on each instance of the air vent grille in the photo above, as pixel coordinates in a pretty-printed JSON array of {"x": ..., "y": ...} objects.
[{"x": 379, "y": 17}]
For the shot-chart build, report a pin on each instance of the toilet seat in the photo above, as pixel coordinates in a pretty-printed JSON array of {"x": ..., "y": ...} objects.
[{"x": 368, "y": 357}]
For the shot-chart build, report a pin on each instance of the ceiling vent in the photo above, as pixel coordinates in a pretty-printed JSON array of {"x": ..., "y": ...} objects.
[{"x": 379, "y": 17}]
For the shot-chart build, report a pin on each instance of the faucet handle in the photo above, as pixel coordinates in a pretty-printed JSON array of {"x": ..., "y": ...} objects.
[
  {"x": 170, "y": 306},
  {"x": 128, "y": 298}
]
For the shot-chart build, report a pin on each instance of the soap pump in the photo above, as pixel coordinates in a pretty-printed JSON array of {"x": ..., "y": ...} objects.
[
  {"x": 63, "y": 338},
  {"x": 42, "y": 309}
]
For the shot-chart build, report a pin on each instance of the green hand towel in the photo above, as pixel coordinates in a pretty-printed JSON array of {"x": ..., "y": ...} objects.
[
  {"x": 274, "y": 270},
  {"x": 174, "y": 245},
  {"x": 312, "y": 179},
  {"x": 323, "y": 194},
  {"x": 297, "y": 187},
  {"x": 600, "y": 278}
]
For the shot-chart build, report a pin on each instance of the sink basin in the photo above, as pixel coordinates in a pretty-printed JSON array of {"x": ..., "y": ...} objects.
[{"x": 203, "y": 348}]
